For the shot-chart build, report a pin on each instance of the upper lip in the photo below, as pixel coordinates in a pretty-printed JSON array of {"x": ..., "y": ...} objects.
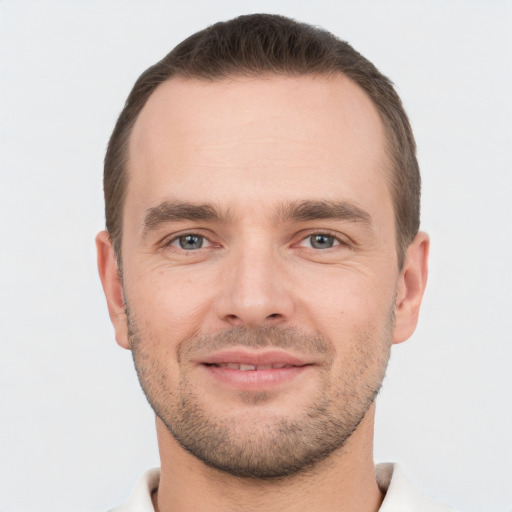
[{"x": 268, "y": 357}]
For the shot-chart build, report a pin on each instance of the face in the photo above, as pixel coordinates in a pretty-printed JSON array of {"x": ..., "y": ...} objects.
[{"x": 259, "y": 267}]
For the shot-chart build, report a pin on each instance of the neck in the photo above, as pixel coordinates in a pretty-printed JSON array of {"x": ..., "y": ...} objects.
[{"x": 344, "y": 482}]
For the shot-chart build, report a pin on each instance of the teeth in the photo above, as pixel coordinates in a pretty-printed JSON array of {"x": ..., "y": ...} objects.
[
  {"x": 252, "y": 367},
  {"x": 245, "y": 367}
]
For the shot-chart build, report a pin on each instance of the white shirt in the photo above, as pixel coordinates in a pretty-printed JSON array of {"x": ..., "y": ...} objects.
[{"x": 400, "y": 494}]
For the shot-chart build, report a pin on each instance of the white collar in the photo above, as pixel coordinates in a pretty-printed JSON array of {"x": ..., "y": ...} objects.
[{"x": 400, "y": 494}]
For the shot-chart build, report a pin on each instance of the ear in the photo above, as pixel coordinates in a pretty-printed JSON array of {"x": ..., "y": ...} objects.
[
  {"x": 411, "y": 285},
  {"x": 112, "y": 287}
]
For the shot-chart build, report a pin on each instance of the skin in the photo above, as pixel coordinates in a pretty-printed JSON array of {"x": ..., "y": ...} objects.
[{"x": 251, "y": 148}]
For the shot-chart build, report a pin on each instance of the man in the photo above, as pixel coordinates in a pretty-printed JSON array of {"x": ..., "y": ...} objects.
[{"x": 262, "y": 254}]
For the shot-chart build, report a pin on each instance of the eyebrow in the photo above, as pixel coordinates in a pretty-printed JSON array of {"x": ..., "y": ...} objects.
[
  {"x": 314, "y": 210},
  {"x": 171, "y": 211},
  {"x": 176, "y": 211}
]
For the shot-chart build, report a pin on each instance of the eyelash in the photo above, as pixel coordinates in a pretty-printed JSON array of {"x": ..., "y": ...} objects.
[
  {"x": 338, "y": 241},
  {"x": 175, "y": 238}
]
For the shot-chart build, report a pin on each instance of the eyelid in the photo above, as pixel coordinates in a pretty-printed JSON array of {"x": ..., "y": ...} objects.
[
  {"x": 340, "y": 239},
  {"x": 169, "y": 240},
  {"x": 303, "y": 236}
]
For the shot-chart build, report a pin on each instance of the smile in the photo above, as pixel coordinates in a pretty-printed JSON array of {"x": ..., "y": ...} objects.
[
  {"x": 252, "y": 367},
  {"x": 254, "y": 371}
]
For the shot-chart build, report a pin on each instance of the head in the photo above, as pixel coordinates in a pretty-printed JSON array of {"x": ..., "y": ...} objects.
[
  {"x": 262, "y": 196},
  {"x": 265, "y": 45}
]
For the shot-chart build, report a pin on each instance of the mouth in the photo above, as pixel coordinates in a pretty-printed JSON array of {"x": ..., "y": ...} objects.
[
  {"x": 251, "y": 367},
  {"x": 254, "y": 371}
]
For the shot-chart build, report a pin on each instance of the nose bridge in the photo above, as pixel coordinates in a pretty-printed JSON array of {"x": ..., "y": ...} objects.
[{"x": 256, "y": 291}]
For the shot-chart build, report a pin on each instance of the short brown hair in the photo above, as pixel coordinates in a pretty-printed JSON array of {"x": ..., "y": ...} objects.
[{"x": 263, "y": 44}]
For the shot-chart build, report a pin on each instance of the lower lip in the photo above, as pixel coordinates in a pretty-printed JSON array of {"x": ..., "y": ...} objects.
[{"x": 255, "y": 380}]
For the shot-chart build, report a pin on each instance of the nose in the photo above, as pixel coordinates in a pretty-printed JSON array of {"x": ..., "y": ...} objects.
[{"x": 255, "y": 290}]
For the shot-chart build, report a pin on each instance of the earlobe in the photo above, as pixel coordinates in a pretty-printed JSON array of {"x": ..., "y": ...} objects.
[
  {"x": 411, "y": 286},
  {"x": 112, "y": 287}
]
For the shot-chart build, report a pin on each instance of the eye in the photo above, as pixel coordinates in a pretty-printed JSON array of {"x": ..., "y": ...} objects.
[
  {"x": 321, "y": 241},
  {"x": 189, "y": 242}
]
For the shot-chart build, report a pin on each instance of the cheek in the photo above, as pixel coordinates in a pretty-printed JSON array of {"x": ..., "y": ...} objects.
[
  {"x": 344, "y": 300},
  {"x": 167, "y": 305}
]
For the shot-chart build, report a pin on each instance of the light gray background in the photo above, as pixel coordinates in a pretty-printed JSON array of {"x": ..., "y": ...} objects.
[{"x": 75, "y": 431}]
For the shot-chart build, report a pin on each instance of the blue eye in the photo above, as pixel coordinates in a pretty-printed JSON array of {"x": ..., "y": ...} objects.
[
  {"x": 190, "y": 242},
  {"x": 321, "y": 241}
]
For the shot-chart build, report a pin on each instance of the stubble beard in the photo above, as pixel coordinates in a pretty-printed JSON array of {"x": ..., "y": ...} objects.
[{"x": 266, "y": 448}]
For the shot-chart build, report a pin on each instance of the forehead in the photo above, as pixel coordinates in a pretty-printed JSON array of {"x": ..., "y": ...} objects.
[{"x": 256, "y": 140}]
